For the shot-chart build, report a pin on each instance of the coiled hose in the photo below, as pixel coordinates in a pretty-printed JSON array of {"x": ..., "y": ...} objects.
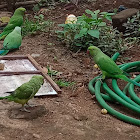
[{"x": 117, "y": 95}]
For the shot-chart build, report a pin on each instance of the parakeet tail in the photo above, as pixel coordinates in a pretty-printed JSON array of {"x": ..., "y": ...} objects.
[
  {"x": 123, "y": 77},
  {"x": 3, "y": 52},
  {"x": 6, "y": 97}
]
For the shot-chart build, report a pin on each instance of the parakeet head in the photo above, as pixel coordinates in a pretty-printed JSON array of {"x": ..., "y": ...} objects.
[
  {"x": 93, "y": 50},
  {"x": 39, "y": 78},
  {"x": 18, "y": 29},
  {"x": 20, "y": 11}
]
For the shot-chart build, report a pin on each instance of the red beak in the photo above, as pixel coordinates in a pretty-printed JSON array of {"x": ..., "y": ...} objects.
[{"x": 87, "y": 51}]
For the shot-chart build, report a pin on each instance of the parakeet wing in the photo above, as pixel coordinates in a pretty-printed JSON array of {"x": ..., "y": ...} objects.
[
  {"x": 12, "y": 41},
  {"x": 24, "y": 91},
  {"x": 108, "y": 65},
  {"x": 17, "y": 20},
  {"x": 13, "y": 23}
]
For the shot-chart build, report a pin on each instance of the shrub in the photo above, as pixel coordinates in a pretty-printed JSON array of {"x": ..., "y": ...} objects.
[
  {"x": 92, "y": 30},
  {"x": 132, "y": 26},
  {"x": 37, "y": 24}
]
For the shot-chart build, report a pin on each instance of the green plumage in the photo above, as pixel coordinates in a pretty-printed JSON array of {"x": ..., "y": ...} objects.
[
  {"x": 16, "y": 20},
  {"x": 108, "y": 67},
  {"x": 12, "y": 41},
  {"x": 26, "y": 91}
]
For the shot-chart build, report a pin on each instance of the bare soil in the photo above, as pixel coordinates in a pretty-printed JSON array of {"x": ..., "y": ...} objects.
[{"x": 74, "y": 114}]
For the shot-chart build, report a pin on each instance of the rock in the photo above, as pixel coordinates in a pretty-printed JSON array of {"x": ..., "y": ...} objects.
[
  {"x": 121, "y": 18},
  {"x": 80, "y": 117},
  {"x": 129, "y": 3},
  {"x": 2, "y": 16},
  {"x": 35, "y": 55},
  {"x": 36, "y": 136}
]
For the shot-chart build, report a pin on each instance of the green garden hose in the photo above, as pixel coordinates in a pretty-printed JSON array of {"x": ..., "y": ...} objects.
[
  {"x": 117, "y": 95},
  {"x": 122, "y": 95},
  {"x": 132, "y": 93},
  {"x": 111, "y": 110}
]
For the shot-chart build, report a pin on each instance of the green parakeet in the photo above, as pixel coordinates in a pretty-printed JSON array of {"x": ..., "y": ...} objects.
[
  {"x": 16, "y": 20},
  {"x": 12, "y": 41},
  {"x": 26, "y": 91},
  {"x": 108, "y": 67}
]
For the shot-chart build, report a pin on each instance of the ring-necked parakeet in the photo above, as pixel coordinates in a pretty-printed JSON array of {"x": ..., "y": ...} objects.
[
  {"x": 108, "y": 67},
  {"x": 12, "y": 41},
  {"x": 26, "y": 91},
  {"x": 16, "y": 20}
]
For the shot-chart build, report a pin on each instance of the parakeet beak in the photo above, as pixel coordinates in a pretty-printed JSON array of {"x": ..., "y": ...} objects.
[{"x": 87, "y": 51}]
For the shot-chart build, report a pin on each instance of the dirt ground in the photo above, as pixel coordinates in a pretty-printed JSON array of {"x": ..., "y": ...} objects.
[{"x": 74, "y": 114}]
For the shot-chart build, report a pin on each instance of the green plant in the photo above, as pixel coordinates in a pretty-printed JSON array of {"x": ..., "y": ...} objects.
[
  {"x": 111, "y": 41},
  {"x": 132, "y": 26},
  {"x": 132, "y": 41},
  {"x": 51, "y": 72},
  {"x": 63, "y": 83},
  {"x": 37, "y": 24},
  {"x": 91, "y": 30}
]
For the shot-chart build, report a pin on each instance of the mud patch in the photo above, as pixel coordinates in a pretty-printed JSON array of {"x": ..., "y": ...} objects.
[{"x": 35, "y": 112}]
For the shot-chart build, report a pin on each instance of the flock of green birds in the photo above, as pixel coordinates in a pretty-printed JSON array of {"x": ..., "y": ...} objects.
[
  {"x": 12, "y": 32},
  {"x": 13, "y": 40}
]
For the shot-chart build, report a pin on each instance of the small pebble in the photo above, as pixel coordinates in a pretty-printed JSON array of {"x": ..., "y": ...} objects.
[{"x": 104, "y": 111}]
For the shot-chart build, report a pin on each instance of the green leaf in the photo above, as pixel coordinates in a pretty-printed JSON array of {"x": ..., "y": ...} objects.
[
  {"x": 93, "y": 14},
  {"x": 62, "y": 25},
  {"x": 110, "y": 14},
  {"x": 95, "y": 33},
  {"x": 83, "y": 31},
  {"x": 103, "y": 13},
  {"x": 78, "y": 36},
  {"x": 97, "y": 12},
  {"x": 102, "y": 24},
  {"x": 37, "y": 17},
  {"x": 89, "y": 11},
  {"x": 108, "y": 18}
]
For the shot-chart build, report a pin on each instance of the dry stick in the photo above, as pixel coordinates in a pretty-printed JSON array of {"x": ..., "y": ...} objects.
[
  {"x": 20, "y": 4},
  {"x": 47, "y": 77}
]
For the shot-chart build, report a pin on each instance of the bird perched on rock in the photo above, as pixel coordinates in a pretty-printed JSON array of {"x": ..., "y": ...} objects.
[
  {"x": 26, "y": 91},
  {"x": 12, "y": 41},
  {"x": 107, "y": 66},
  {"x": 16, "y": 20}
]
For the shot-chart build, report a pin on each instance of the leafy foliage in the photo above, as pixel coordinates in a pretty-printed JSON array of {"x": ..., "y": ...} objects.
[
  {"x": 37, "y": 24},
  {"x": 63, "y": 83},
  {"x": 133, "y": 26},
  {"x": 51, "y": 72},
  {"x": 132, "y": 32},
  {"x": 91, "y": 30}
]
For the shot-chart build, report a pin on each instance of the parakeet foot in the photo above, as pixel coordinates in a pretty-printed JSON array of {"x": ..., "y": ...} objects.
[
  {"x": 101, "y": 80},
  {"x": 31, "y": 105},
  {"x": 24, "y": 109}
]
